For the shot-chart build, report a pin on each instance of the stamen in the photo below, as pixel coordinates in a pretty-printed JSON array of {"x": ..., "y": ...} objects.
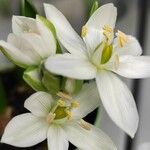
[
  {"x": 75, "y": 104},
  {"x": 64, "y": 96},
  {"x": 84, "y": 125},
  {"x": 50, "y": 117},
  {"x": 69, "y": 114},
  {"x": 122, "y": 38},
  {"x": 61, "y": 103},
  {"x": 84, "y": 31},
  {"x": 107, "y": 32},
  {"x": 116, "y": 63}
]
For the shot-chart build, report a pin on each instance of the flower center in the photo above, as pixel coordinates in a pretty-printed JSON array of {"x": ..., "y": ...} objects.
[
  {"x": 84, "y": 31},
  {"x": 107, "y": 31},
  {"x": 62, "y": 110},
  {"x": 122, "y": 38}
]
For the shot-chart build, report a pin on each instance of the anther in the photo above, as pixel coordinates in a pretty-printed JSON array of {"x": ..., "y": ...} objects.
[
  {"x": 64, "y": 96},
  {"x": 84, "y": 125},
  {"x": 84, "y": 31},
  {"x": 69, "y": 114},
  {"x": 61, "y": 103},
  {"x": 75, "y": 104},
  {"x": 122, "y": 38}
]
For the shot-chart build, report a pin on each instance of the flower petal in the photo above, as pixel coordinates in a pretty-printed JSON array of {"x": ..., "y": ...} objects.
[
  {"x": 57, "y": 139},
  {"x": 132, "y": 47},
  {"x": 47, "y": 35},
  {"x": 15, "y": 55},
  {"x": 39, "y": 103},
  {"x": 88, "y": 99},
  {"x": 105, "y": 15},
  {"x": 66, "y": 34},
  {"x": 25, "y": 130},
  {"x": 71, "y": 66},
  {"x": 134, "y": 67},
  {"x": 21, "y": 24},
  {"x": 118, "y": 102},
  {"x": 93, "y": 139}
]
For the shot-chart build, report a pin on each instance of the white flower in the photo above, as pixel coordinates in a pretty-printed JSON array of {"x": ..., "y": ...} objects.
[
  {"x": 101, "y": 55},
  {"x": 59, "y": 121},
  {"x": 30, "y": 43}
]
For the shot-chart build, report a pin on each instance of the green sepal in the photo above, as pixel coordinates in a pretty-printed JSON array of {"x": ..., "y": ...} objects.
[
  {"x": 47, "y": 23},
  {"x": 27, "y": 9},
  {"x": 106, "y": 54},
  {"x": 51, "y": 82},
  {"x": 33, "y": 77},
  {"x": 71, "y": 86},
  {"x": 94, "y": 7}
]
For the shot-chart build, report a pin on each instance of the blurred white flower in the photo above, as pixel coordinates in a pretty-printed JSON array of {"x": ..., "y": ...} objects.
[
  {"x": 30, "y": 43},
  {"x": 59, "y": 121},
  {"x": 101, "y": 55}
]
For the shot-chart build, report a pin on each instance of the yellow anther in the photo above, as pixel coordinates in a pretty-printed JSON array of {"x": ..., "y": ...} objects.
[
  {"x": 61, "y": 103},
  {"x": 69, "y": 114},
  {"x": 122, "y": 38},
  {"x": 107, "y": 31},
  {"x": 75, "y": 104},
  {"x": 50, "y": 117},
  {"x": 64, "y": 96},
  {"x": 116, "y": 62},
  {"x": 84, "y": 31},
  {"x": 84, "y": 125}
]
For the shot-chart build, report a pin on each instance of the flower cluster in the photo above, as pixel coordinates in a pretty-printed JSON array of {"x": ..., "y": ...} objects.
[{"x": 57, "y": 63}]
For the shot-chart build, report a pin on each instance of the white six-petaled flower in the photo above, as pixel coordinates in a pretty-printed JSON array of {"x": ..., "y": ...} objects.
[
  {"x": 58, "y": 121},
  {"x": 101, "y": 54}
]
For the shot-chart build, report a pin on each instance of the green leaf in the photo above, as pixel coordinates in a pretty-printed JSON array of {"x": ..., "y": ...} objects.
[
  {"x": 3, "y": 104},
  {"x": 94, "y": 7},
  {"x": 33, "y": 77},
  {"x": 71, "y": 86},
  {"x": 27, "y": 9},
  {"x": 51, "y": 82},
  {"x": 106, "y": 54}
]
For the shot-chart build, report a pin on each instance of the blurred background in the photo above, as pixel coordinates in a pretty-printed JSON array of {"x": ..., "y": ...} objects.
[{"x": 133, "y": 18}]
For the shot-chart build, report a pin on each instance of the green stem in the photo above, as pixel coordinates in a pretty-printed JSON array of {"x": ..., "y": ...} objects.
[
  {"x": 3, "y": 103},
  {"x": 98, "y": 119}
]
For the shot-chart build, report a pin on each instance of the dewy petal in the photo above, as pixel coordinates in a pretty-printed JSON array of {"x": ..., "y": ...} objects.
[
  {"x": 57, "y": 139},
  {"x": 25, "y": 130},
  {"x": 71, "y": 66},
  {"x": 132, "y": 47},
  {"x": 134, "y": 67},
  {"x": 48, "y": 37},
  {"x": 93, "y": 139},
  {"x": 39, "y": 104},
  {"x": 66, "y": 34},
  {"x": 105, "y": 15},
  {"x": 88, "y": 100},
  {"x": 21, "y": 24},
  {"x": 15, "y": 55},
  {"x": 118, "y": 102}
]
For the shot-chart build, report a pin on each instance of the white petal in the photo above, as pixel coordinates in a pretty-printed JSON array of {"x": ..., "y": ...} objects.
[
  {"x": 37, "y": 43},
  {"x": 48, "y": 37},
  {"x": 66, "y": 34},
  {"x": 93, "y": 139},
  {"x": 25, "y": 130},
  {"x": 132, "y": 47},
  {"x": 88, "y": 99},
  {"x": 57, "y": 139},
  {"x": 93, "y": 38},
  {"x": 105, "y": 15},
  {"x": 134, "y": 67},
  {"x": 39, "y": 103},
  {"x": 118, "y": 102},
  {"x": 15, "y": 55},
  {"x": 21, "y": 24},
  {"x": 71, "y": 66}
]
